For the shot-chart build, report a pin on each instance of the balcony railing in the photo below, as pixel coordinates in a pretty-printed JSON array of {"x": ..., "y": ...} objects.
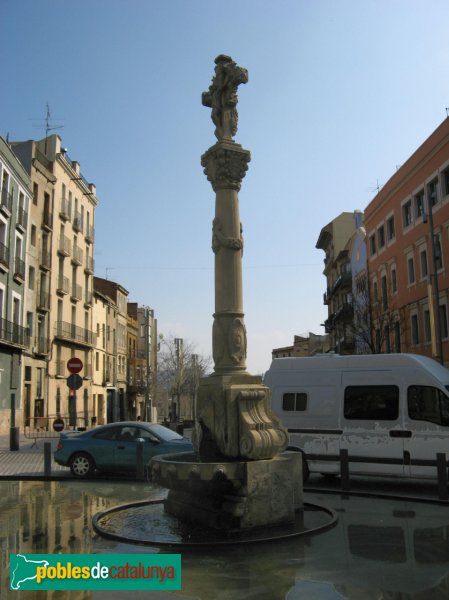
[
  {"x": 42, "y": 346},
  {"x": 46, "y": 259},
  {"x": 89, "y": 264},
  {"x": 47, "y": 219},
  {"x": 65, "y": 211},
  {"x": 89, "y": 233},
  {"x": 64, "y": 245},
  {"x": 19, "y": 268},
  {"x": 77, "y": 292},
  {"x": 77, "y": 255},
  {"x": 22, "y": 218},
  {"x": 78, "y": 222},
  {"x": 72, "y": 332},
  {"x": 43, "y": 300},
  {"x": 6, "y": 201},
  {"x": 63, "y": 285},
  {"x": 4, "y": 255},
  {"x": 14, "y": 334}
]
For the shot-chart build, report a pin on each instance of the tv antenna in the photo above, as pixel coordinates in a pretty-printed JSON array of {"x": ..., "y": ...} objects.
[
  {"x": 377, "y": 187},
  {"x": 48, "y": 125}
]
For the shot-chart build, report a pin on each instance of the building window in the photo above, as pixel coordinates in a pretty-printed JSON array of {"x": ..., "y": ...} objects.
[
  {"x": 394, "y": 281},
  {"x": 372, "y": 245},
  {"x": 407, "y": 214},
  {"x": 415, "y": 329},
  {"x": 375, "y": 292},
  {"x": 419, "y": 204},
  {"x": 381, "y": 237},
  {"x": 397, "y": 336},
  {"x": 33, "y": 235},
  {"x": 390, "y": 229},
  {"x": 427, "y": 327},
  {"x": 432, "y": 190},
  {"x": 411, "y": 270},
  {"x": 384, "y": 292},
  {"x": 387, "y": 339},
  {"x": 445, "y": 176},
  {"x": 423, "y": 261},
  {"x": 35, "y": 193},
  {"x": 31, "y": 276},
  {"x": 438, "y": 253},
  {"x": 443, "y": 321}
]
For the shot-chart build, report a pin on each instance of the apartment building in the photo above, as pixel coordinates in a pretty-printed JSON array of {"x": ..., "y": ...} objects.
[
  {"x": 61, "y": 239},
  {"x": 15, "y": 195},
  {"x": 303, "y": 345},
  {"x": 336, "y": 240},
  {"x": 407, "y": 225},
  {"x": 118, "y": 404}
]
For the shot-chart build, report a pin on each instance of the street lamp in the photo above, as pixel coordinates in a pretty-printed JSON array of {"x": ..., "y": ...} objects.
[{"x": 434, "y": 302}]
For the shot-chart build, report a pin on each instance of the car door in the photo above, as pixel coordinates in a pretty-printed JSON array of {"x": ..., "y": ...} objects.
[
  {"x": 372, "y": 423},
  {"x": 102, "y": 447},
  {"x": 125, "y": 448},
  {"x": 427, "y": 419}
]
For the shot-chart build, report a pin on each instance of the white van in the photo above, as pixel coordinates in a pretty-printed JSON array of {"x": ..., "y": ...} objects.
[{"x": 394, "y": 407}]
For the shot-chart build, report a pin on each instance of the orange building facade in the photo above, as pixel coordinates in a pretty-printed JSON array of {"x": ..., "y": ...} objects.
[{"x": 407, "y": 235}]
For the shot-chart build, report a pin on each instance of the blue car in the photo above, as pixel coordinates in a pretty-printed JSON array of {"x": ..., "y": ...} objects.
[{"x": 112, "y": 447}]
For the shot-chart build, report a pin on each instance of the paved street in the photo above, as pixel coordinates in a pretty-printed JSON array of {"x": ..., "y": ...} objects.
[{"x": 28, "y": 461}]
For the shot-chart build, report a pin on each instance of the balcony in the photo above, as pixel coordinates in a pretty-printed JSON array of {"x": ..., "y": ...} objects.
[
  {"x": 77, "y": 255},
  {"x": 88, "y": 298},
  {"x": 42, "y": 346},
  {"x": 19, "y": 270},
  {"x": 89, "y": 267},
  {"x": 14, "y": 334},
  {"x": 4, "y": 255},
  {"x": 45, "y": 260},
  {"x": 6, "y": 202},
  {"x": 89, "y": 234},
  {"x": 65, "y": 211},
  {"x": 77, "y": 292},
  {"x": 78, "y": 223},
  {"x": 22, "y": 219},
  {"x": 344, "y": 312},
  {"x": 64, "y": 246},
  {"x": 47, "y": 220},
  {"x": 69, "y": 331},
  {"x": 43, "y": 300},
  {"x": 63, "y": 285}
]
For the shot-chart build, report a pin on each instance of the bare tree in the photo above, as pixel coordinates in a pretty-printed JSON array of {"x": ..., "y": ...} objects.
[
  {"x": 377, "y": 325},
  {"x": 180, "y": 369}
]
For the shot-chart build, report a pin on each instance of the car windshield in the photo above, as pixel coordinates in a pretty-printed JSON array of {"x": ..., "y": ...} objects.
[{"x": 167, "y": 435}]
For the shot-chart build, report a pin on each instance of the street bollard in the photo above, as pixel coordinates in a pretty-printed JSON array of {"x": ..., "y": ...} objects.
[
  {"x": 47, "y": 459},
  {"x": 344, "y": 470},
  {"x": 139, "y": 461},
  {"x": 442, "y": 476}
]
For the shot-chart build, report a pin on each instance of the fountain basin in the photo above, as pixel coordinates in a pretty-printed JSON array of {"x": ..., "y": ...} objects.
[{"x": 231, "y": 495}]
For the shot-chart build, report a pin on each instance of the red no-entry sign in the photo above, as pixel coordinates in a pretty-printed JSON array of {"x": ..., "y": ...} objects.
[{"x": 74, "y": 364}]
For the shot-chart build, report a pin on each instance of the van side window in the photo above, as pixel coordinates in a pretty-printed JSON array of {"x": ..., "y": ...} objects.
[
  {"x": 372, "y": 402},
  {"x": 294, "y": 401},
  {"x": 426, "y": 403}
]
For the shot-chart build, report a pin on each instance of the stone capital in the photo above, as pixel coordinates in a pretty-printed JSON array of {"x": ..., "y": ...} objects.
[{"x": 225, "y": 165}]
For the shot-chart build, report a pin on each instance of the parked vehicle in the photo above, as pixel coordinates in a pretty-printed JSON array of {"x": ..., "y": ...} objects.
[
  {"x": 112, "y": 447},
  {"x": 393, "y": 407}
]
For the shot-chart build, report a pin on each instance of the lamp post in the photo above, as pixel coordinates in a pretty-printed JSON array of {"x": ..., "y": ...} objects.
[{"x": 435, "y": 301}]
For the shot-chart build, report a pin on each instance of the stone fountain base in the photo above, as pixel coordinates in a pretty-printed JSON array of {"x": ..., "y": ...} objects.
[{"x": 231, "y": 495}]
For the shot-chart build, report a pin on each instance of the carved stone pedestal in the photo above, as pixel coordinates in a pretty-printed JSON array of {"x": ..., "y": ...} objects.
[{"x": 234, "y": 419}]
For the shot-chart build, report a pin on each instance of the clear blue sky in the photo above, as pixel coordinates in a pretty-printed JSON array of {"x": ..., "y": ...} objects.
[{"x": 339, "y": 94}]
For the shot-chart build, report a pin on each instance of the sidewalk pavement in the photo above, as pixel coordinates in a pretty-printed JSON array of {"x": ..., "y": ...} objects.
[{"x": 28, "y": 461}]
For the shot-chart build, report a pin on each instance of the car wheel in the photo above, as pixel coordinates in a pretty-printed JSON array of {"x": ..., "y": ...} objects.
[{"x": 81, "y": 465}]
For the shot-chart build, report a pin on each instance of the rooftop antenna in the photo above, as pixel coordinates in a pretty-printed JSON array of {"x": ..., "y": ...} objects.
[
  {"x": 377, "y": 187},
  {"x": 447, "y": 111},
  {"x": 48, "y": 126}
]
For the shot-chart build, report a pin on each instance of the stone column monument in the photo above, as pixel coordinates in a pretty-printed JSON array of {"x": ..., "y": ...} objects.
[
  {"x": 234, "y": 417},
  {"x": 238, "y": 478}
]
